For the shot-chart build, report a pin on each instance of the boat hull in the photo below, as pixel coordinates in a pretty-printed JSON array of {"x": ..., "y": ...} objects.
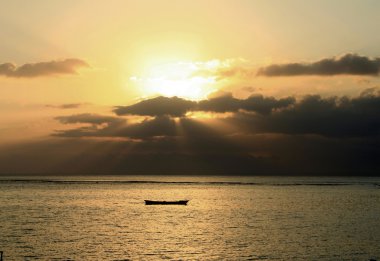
[{"x": 154, "y": 202}]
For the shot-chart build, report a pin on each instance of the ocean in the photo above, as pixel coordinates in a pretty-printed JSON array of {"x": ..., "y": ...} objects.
[{"x": 227, "y": 218}]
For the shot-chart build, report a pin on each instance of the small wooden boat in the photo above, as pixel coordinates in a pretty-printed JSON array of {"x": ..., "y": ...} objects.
[{"x": 155, "y": 202}]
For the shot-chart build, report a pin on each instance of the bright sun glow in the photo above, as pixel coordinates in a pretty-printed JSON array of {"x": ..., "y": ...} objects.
[{"x": 181, "y": 79}]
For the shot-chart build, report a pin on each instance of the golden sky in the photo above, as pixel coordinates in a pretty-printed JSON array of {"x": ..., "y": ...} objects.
[
  {"x": 63, "y": 58},
  {"x": 122, "y": 39}
]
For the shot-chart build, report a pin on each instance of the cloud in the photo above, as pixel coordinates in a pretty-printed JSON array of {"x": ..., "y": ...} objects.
[
  {"x": 177, "y": 107},
  {"x": 224, "y": 69},
  {"x": 66, "y": 105},
  {"x": 88, "y": 118},
  {"x": 108, "y": 126},
  {"x": 158, "y": 127},
  {"x": 233, "y": 71},
  {"x": 30, "y": 70},
  {"x": 100, "y": 125},
  {"x": 330, "y": 117},
  {"x": 312, "y": 135},
  {"x": 255, "y": 103},
  {"x": 350, "y": 64},
  {"x": 159, "y": 106}
]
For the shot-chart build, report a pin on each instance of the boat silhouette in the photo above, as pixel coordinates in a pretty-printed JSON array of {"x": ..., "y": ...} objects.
[{"x": 157, "y": 202}]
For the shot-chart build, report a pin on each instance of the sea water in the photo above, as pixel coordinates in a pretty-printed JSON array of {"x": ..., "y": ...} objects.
[{"x": 227, "y": 218}]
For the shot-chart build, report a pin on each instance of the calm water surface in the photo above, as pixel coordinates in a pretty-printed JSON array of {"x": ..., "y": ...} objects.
[{"x": 228, "y": 218}]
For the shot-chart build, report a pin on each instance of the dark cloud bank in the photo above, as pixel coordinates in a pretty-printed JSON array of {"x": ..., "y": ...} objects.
[
  {"x": 30, "y": 70},
  {"x": 351, "y": 64},
  {"x": 177, "y": 107},
  {"x": 259, "y": 136}
]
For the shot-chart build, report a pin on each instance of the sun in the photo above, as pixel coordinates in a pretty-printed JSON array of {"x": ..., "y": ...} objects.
[{"x": 181, "y": 79}]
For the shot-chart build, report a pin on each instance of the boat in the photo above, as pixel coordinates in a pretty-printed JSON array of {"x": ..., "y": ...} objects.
[{"x": 156, "y": 202}]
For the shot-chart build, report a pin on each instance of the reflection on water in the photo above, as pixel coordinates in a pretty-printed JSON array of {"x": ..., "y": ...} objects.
[{"x": 261, "y": 220}]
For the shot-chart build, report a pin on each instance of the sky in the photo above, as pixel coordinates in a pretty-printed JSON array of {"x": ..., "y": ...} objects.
[{"x": 239, "y": 87}]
